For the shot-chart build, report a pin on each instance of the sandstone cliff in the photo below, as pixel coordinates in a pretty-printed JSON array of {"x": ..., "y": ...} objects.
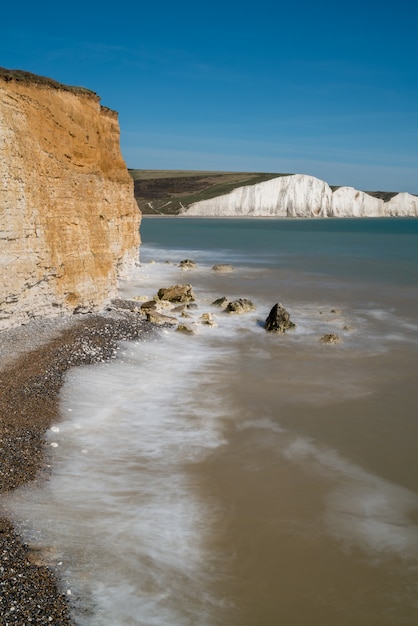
[
  {"x": 69, "y": 222},
  {"x": 299, "y": 195}
]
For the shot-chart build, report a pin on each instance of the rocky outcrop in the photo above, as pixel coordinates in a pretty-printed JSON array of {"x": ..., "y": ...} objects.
[
  {"x": 278, "y": 320},
  {"x": 302, "y": 196},
  {"x": 242, "y": 305},
  {"x": 69, "y": 223},
  {"x": 177, "y": 293}
]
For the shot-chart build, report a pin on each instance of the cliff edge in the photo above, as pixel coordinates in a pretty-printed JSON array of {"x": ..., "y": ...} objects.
[{"x": 69, "y": 223}]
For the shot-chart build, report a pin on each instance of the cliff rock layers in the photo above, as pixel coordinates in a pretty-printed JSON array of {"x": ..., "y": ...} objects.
[
  {"x": 69, "y": 223},
  {"x": 299, "y": 195}
]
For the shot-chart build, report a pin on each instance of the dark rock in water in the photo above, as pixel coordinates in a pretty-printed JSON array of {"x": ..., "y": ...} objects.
[
  {"x": 183, "y": 328},
  {"x": 242, "y": 305},
  {"x": 149, "y": 305},
  {"x": 278, "y": 319},
  {"x": 177, "y": 293},
  {"x": 220, "y": 301},
  {"x": 187, "y": 264},
  {"x": 331, "y": 338},
  {"x": 223, "y": 268}
]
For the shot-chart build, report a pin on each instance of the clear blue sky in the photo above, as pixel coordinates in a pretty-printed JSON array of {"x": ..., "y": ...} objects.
[{"x": 315, "y": 87}]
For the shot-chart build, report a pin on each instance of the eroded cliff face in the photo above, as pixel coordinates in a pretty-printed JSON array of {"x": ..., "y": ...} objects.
[
  {"x": 69, "y": 223},
  {"x": 300, "y": 195}
]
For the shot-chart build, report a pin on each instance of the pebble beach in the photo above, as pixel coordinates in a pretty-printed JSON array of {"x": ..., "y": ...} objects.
[{"x": 33, "y": 361}]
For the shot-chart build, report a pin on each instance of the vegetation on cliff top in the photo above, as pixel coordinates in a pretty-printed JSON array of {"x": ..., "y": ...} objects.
[
  {"x": 166, "y": 192},
  {"x": 27, "y": 77}
]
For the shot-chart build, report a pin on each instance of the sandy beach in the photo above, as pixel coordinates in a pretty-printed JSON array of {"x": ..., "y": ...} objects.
[{"x": 33, "y": 361}]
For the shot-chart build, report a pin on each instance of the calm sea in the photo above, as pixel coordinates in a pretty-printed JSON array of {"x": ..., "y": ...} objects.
[{"x": 239, "y": 478}]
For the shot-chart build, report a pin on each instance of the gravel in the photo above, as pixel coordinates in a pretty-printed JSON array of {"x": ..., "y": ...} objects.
[{"x": 33, "y": 361}]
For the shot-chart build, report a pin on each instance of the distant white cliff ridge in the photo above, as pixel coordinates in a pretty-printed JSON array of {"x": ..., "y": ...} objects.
[{"x": 300, "y": 195}]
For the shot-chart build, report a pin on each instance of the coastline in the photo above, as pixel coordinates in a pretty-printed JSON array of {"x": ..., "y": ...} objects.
[{"x": 33, "y": 362}]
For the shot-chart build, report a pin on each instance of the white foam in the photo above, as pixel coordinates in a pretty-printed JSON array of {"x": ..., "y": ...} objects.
[{"x": 122, "y": 500}]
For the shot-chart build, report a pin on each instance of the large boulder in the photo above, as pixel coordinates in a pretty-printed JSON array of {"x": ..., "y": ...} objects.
[
  {"x": 278, "y": 320},
  {"x": 242, "y": 305},
  {"x": 177, "y": 293}
]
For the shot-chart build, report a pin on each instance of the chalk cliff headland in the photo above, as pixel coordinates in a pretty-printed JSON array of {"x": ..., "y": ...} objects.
[
  {"x": 299, "y": 195},
  {"x": 69, "y": 223}
]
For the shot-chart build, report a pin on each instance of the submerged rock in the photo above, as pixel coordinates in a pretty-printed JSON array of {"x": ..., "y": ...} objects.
[
  {"x": 278, "y": 320},
  {"x": 242, "y": 305},
  {"x": 220, "y": 301},
  {"x": 208, "y": 319},
  {"x": 177, "y": 293},
  {"x": 184, "y": 328},
  {"x": 179, "y": 309},
  {"x": 330, "y": 338},
  {"x": 223, "y": 268}
]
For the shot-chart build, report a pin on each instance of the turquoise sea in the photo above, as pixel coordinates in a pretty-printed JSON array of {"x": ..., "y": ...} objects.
[{"x": 237, "y": 477}]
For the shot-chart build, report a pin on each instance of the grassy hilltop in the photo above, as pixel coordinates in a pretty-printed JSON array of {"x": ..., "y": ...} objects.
[{"x": 165, "y": 192}]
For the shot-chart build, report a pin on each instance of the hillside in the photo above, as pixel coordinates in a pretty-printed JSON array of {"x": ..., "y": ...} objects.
[{"x": 167, "y": 192}]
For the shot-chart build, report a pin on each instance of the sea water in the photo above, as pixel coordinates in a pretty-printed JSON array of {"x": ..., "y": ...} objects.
[{"x": 238, "y": 477}]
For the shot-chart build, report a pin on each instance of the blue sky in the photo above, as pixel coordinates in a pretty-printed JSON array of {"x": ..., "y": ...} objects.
[{"x": 315, "y": 87}]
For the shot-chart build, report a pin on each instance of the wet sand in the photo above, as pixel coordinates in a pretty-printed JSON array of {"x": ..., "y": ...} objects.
[{"x": 33, "y": 362}]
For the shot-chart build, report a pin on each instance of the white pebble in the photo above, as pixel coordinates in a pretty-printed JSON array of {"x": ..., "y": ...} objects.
[
  {"x": 54, "y": 444},
  {"x": 55, "y": 429}
]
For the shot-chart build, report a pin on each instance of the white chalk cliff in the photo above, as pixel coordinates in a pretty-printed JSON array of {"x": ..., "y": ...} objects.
[{"x": 300, "y": 195}]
